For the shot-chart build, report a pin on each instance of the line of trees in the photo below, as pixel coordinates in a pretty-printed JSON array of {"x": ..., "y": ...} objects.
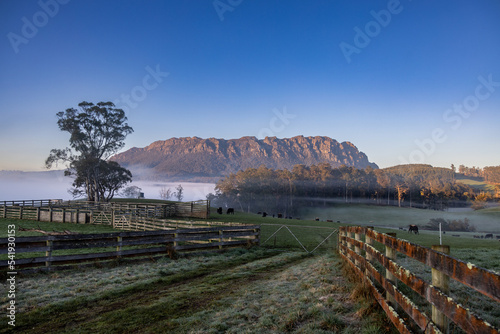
[
  {"x": 265, "y": 189},
  {"x": 490, "y": 174}
]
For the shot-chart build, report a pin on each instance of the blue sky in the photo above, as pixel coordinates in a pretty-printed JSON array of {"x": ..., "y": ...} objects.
[{"x": 405, "y": 81}]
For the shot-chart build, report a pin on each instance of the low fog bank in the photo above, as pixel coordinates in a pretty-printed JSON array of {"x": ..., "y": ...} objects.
[
  {"x": 192, "y": 191},
  {"x": 16, "y": 185}
]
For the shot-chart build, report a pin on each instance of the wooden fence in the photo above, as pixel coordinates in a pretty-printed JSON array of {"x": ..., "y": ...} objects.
[
  {"x": 80, "y": 248},
  {"x": 98, "y": 213},
  {"x": 360, "y": 253}
]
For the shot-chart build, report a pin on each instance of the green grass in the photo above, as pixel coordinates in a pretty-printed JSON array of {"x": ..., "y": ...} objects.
[
  {"x": 476, "y": 183},
  {"x": 264, "y": 289},
  {"x": 485, "y": 220},
  {"x": 50, "y": 227},
  {"x": 241, "y": 291}
]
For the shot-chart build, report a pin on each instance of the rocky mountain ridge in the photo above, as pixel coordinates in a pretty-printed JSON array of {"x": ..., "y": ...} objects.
[{"x": 212, "y": 158}]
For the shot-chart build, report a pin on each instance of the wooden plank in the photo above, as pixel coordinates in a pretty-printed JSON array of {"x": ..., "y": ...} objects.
[
  {"x": 461, "y": 316},
  {"x": 420, "y": 318},
  {"x": 480, "y": 279},
  {"x": 398, "y": 322}
]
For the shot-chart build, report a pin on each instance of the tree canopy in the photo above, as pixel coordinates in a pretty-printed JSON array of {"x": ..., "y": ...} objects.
[
  {"x": 96, "y": 133},
  {"x": 284, "y": 191}
]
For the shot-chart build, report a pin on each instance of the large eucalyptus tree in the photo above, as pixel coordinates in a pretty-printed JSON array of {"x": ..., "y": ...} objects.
[{"x": 96, "y": 133}]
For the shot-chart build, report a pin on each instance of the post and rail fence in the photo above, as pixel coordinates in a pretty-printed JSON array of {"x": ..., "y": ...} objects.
[
  {"x": 51, "y": 252},
  {"x": 356, "y": 246},
  {"x": 148, "y": 231},
  {"x": 98, "y": 213}
]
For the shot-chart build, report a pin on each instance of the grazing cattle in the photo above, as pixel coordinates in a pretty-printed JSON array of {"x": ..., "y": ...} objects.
[
  {"x": 230, "y": 211},
  {"x": 317, "y": 219},
  {"x": 489, "y": 236},
  {"x": 498, "y": 236},
  {"x": 329, "y": 221},
  {"x": 413, "y": 228},
  {"x": 264, "y": 214},
  {"x": 280, "y": 215},
  {"x": 477, "y": 237},
  {"x": 219, "y": 210}
]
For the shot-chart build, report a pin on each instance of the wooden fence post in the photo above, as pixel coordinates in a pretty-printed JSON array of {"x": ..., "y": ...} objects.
[
  {"x": 368, "y": 241},
  {"x": 342, "y": 233},
  {"x": 119, "y": 239},
  {"x": 220, "y": 238},
  {"x": 391, "y": 254},
  {"x": 48, "y": 253},
  {"x": 357, "y": 249},
  {"x": 442, "y": 282}
]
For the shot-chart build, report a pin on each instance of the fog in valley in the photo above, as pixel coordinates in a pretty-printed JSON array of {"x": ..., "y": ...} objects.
[{"x": 16, "y": 185}]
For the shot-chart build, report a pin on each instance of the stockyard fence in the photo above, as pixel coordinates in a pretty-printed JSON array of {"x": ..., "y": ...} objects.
[
  {"x": 356, "y": 246},
  {"x": 82, "y": 212},
  {"x": 50, "y": 252}
]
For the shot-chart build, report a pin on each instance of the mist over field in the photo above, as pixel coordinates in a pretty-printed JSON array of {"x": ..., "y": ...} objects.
[{"x": 16, "y": 185}]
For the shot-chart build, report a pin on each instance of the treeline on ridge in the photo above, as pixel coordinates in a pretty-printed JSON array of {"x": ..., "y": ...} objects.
[
  {"x": 490, "y": 173},
  {"x": 284, "y": 191}
]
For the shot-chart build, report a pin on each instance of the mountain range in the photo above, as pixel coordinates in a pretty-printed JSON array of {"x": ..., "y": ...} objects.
[{"x": 197, "y": 159}]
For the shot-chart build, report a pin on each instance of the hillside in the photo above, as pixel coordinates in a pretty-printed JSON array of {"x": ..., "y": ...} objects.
[{"x": 194, "y": 158}]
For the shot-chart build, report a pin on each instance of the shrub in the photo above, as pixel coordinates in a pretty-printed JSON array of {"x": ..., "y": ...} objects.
[{"x": 455, "y": 225}]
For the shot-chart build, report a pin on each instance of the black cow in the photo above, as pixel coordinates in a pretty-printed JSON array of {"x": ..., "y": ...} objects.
[
  {"x": 219, "y": 210},
  {"x": 264, "y": 214},
  {"x": 413, "y": 228},
  {"x": 280, "y": 215},
  {"x": 489, "y": 236},
  {"x": 230, "y": 211}
]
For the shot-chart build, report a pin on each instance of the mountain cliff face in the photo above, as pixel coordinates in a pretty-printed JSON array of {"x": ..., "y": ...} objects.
[{"x": 204, "y": 159}]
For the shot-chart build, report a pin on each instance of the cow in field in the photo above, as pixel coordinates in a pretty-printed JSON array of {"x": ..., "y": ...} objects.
[
  {"x": 489, "y": 236},
  {"x": 280, "y": 215},
  {"x": 264, "y": 214},
  {"x": 413, "y": 228},
  {"x": 219, "y": 210},
  {"x": 230, "y": 211}
]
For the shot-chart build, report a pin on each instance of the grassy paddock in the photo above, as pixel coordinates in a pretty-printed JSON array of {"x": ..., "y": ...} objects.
[
  {"x": 239, "y": 291},
  {"x": 485, "y": 220}
]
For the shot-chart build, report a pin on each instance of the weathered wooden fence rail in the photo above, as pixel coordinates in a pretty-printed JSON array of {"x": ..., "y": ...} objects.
[
  {"x": 108, "y": 246},
  {"x": 356, "y": 245},
  {"x": 98, "y": 213},
  {"x": 32, "y": 202}
]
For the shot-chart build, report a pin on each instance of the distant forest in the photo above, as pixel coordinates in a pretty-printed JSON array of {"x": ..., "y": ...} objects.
[
  {"x": 490, "y": 174},
  {"x": 284, "y": 191}
]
